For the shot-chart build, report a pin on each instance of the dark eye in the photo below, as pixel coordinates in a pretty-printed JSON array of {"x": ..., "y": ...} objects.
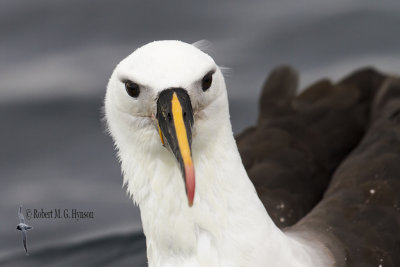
[
  {"x": 206, "y": 81},
  {"x": 132, "y": 89}
]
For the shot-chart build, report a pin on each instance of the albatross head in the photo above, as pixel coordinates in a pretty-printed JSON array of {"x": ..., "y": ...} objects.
[
  {"x": 164, "y": 103},
  {"x": 167, "y": 110}
]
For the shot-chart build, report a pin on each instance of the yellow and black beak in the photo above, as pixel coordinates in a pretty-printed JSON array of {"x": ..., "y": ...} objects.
[{"x": 175, "y": 120}]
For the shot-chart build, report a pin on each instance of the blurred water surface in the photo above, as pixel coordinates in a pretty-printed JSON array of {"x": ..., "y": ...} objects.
[{"x": 55, "y": 61}]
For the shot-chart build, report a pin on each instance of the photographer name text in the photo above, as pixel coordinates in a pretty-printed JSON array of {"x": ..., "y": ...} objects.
[{"x": 72, "y": 214}]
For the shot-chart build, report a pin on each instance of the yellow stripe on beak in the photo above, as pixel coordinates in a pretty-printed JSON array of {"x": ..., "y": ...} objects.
[
  {"x": 181, "y": 131},
  {"x": 160, "y": 133},
  {"x": 184, "y": 147}
]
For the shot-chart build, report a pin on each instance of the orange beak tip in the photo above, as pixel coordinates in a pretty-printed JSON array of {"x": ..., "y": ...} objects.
[{"x": 190, "y": 183}]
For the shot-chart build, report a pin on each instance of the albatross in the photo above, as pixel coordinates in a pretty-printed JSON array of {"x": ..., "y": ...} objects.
[{"x": 166, "y": 108}]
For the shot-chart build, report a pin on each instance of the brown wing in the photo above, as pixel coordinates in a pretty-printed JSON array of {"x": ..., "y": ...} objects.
[
  {"x": 360, "y": 212},
  {"x": 299, "y": 141}
]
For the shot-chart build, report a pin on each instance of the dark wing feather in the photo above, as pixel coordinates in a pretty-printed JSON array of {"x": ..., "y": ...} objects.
[
  {"x": 299, "y": 141},
  {"x": 359, "y": 216}
]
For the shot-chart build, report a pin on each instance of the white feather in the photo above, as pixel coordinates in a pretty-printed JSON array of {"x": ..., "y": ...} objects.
[
  {"x": 203, "y": 45},
  {"x": 227, "y": 225}
]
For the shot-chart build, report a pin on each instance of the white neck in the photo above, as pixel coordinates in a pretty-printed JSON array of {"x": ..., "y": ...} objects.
[{"x": 227, "y": 225}]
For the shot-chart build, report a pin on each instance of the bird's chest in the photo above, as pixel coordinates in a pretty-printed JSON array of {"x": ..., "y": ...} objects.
[
  {"x": 201, "y": 253},
  {"x": 179, "y": 235},
  {"x": 182, "y": 238}
]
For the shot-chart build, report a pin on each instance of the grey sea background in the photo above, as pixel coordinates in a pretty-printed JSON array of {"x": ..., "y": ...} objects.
[{"x": 56, "y": 58}]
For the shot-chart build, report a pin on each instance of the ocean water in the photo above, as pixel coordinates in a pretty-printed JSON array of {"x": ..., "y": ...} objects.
[
  {"x": 55, "y": 62},
  {"x": 127, "y": 249}
]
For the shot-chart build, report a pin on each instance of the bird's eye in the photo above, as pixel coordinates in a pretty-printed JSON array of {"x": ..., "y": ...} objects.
[
  {"x": 132, "y": 89},
  {"x": 206, "y": 81}
]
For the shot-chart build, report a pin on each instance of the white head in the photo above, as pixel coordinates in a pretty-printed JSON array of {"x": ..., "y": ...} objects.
[{"x": 165, "y": 92}]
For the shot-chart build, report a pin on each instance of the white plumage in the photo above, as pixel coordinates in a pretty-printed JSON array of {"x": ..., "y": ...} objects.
[{"x": 227, "y": 224}]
